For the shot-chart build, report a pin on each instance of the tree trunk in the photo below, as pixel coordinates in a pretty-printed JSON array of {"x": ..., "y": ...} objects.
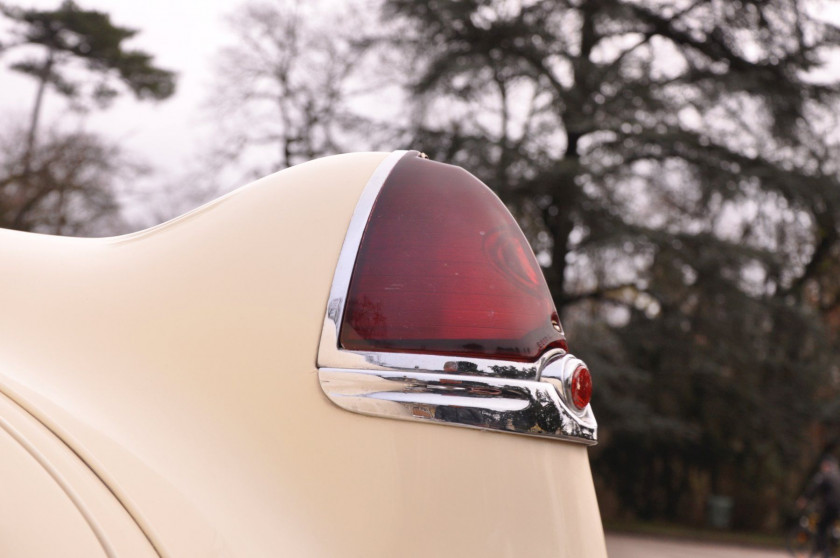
[
  {"x": 561, "y": 224},
  {"x": 31, "y": 134}
]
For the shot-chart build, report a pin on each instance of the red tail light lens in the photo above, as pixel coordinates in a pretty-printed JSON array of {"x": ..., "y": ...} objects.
[
  {"x": 581, "y": 387},
  {"x": 443, "y": 268}
]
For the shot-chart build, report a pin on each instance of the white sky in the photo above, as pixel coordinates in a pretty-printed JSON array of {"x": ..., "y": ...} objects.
[{"x": 183, "y": 37}]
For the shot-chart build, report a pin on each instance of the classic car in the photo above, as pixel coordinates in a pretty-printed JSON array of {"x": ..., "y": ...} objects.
[{"x": 357, "y": 356}]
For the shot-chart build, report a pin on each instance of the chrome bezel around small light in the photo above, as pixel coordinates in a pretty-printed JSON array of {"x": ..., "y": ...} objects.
[
  {"x": 559, "y": 369},
  {"x": 517, "y": 397}
]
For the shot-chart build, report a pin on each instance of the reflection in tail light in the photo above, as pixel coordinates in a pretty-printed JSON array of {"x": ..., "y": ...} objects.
[{"x": 443, "y": 268}]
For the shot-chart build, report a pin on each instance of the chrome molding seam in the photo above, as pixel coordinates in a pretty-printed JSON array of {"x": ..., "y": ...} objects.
[{"x": 525, "y": 398}]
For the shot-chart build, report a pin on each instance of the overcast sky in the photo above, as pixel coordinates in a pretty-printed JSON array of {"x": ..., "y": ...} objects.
[{"x": 183, "y": 37}]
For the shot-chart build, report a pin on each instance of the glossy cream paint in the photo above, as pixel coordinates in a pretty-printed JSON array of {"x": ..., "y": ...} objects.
[
  {"x": 179, "y": 364},
  {"x": 53, "y": 504}
]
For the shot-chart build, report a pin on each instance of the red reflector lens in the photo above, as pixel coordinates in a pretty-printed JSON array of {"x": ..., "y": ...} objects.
[
  {"x": 581, "y": 387},
  {"x": 443, "y": 268}
]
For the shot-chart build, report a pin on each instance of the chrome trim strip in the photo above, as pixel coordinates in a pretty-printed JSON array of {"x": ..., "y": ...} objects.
[
  {"x": 353, "y": 238},
  {"x": 516, "y": 406},
  {"x": 333, "y": 357},
  {"x": 518, "y": 397}
]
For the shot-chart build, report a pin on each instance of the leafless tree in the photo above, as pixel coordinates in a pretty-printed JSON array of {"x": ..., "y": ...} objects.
[
  {"x": 296, "y": 85},
  {"x": 63, "y": 187}
]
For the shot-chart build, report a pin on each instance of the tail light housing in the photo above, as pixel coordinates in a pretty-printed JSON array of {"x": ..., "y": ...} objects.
[
  {"x": 440, "y": 312},
  {"x": 443, "y": 268}
]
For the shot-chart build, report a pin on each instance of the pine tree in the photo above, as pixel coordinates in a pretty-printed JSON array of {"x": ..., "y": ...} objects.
[
  {"x": 671, "y": 163},
  {"x": 80, "y": 55}
]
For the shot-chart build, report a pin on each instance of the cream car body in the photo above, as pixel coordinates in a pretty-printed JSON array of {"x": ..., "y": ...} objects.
[{"x": 163, "y": 388}]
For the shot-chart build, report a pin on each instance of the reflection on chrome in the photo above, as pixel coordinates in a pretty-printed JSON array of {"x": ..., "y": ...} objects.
[{"x": 507, "y": 405}]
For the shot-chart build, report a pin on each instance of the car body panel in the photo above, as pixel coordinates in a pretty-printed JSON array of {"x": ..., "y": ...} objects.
[
  {"x": 180, "y": 364},
  {"x": 53, "y": 504}
]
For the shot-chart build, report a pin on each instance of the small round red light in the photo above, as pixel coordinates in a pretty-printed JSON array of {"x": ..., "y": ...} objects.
[{"x": 581, "y": 387}]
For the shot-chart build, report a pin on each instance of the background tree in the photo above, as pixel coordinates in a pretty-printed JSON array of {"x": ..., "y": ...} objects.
[
  {"x": 670, "y": 162},
  {"x": 292, "y": 87},
  {"x": 69, "y": 187},
  {"x": 80, "y": 55}
]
